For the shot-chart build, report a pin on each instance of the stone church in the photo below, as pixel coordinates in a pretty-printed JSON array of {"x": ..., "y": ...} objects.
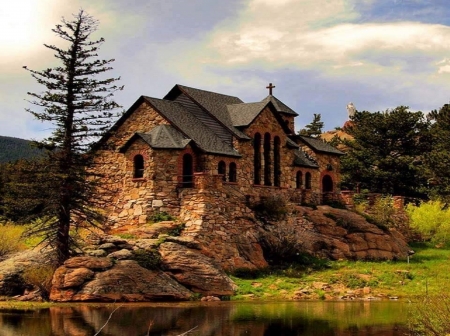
[{"x": 196, "y": 149}]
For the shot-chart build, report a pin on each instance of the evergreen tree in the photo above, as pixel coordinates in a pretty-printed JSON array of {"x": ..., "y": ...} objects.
[
  {"x": 80, "y": 107},
  {"x": 314, "y": 129},
  {"x": 386, "y": 151},
  {"x": 437, "y": 161},
  {"x": 24, "y": 190}
]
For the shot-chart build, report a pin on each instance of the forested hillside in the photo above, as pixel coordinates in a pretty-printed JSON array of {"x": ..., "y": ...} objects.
[{"x": 12, "y": 149}]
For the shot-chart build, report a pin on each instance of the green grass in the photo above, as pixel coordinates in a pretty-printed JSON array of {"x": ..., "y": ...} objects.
[{"x": 427, "y": 273}]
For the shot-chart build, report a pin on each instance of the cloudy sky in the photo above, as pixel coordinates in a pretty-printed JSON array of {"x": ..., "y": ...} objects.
[{"x": 320, "y": 54}]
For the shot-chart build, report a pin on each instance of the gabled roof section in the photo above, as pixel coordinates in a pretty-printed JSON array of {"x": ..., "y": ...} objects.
[
  {"x": 301, "y": 159},
  {"x": 191, "y": 127},
  {"x": 279, "y": 105},
  {"x": 319, "y": 145},
  {"x": 244, "y": 114},
  {"x": 212, "y": 102},
  {"x": 161, "y": 137},
  {"x": 165, "y": 136}
]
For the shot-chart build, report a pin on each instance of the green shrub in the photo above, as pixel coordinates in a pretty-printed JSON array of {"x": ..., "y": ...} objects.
[
  {"x": 271, "y": 207},
  {"x": 149, "y": 259},
  {"x": 161, "y": 217},
  {"x": 280, "y": 244},
  {"x": 175, "y": 232},
  {"x": 10, "y": 239},
  {"x": 383, "y": 210},
  {"x": 430, "y": 316},
  {"x": 431, "y": 219},
  {"x": 41, "y": 278},
  {"x": 127, "y": 236}
]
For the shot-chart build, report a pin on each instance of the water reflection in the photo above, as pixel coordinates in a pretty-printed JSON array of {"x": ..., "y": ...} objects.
[{"x": 223, "y": 318}]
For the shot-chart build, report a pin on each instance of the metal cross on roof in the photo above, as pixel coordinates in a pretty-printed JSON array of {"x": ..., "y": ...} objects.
[{"x": 270, "y": 87}]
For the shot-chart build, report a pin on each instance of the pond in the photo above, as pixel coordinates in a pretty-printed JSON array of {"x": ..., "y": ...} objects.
[{"x": 318, "y": 318}]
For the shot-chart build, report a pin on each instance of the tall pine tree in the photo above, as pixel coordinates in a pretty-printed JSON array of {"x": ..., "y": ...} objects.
[
  {"x": 314, "y": 129},
  {"x": 386, "y": 152},
  {"x": 438, "y": 159},
  {"x": 80, "y": 107}
]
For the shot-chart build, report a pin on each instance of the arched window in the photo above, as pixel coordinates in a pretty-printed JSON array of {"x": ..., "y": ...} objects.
[
  {"x": 308, "y": 181},
  {"x": 327, "y": 183},
  {"x": 257, "y": 159},
  {"x": 267, "y": 161},
  {"x": 232, "y": 172},
  {"x": 299, "y": 180},
  {"x": 188, "y": 171},
  {"x": 276, "y": 162},
  {"x": 222, "y": 170},
  {"x": 138, "y": 169}
]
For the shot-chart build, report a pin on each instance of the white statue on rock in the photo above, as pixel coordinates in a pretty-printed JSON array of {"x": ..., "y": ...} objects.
[{"x": 351, "y": 109}]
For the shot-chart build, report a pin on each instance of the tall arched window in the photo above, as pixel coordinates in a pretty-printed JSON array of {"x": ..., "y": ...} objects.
[
  {"x": 267, "y": 161},
  {"x": 232, "y": 172},
  {"x": 276, "y": 162},
  {"x": 138, "y": 169},
  {"x": 308, "y": 181},
  {"x": 299, "y": 180},
  {"x": 188, "y": 171},
  {"x": 257, "y": 159},
  {"x": 222, "y": 170},
  {"x": 327, "y": 183}
]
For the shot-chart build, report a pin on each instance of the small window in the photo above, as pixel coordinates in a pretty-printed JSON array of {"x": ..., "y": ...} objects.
[
  {"x": 299, "y": 180},
  {"x": 138, "y": 166},
  {"x": 308, "y": 181},
  {"x": 222, "y": 170},
  {"x": 232, "y": 173}
]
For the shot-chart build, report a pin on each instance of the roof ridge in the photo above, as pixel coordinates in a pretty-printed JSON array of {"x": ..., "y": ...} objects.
[
  {"x": 217, "y": 93},
  {"x": 165, "y": 128}
]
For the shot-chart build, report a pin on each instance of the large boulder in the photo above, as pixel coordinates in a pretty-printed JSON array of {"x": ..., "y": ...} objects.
[
  {"x": 98, "y": 279},
  {"x": 341, "y": 234},
  {"x": 196, "y": 271}
]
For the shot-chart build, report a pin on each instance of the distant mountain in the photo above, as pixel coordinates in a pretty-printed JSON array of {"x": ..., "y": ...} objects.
[{"x": 12, "y": 149}]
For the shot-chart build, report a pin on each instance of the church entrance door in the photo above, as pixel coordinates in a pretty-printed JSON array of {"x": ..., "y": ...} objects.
[{"x": 327, "y": 184}]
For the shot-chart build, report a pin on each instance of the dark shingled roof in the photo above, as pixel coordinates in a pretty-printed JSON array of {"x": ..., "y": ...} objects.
[
  {"x": 216, "y": 104},
  {"x": 165, "y": 137},
  {"x": 279, "y": 105},
  {"x": 244, "y": 114},
  {"x": 302, "y": 160},
  {"x": 319, "y": 145},
  {"x": 191, "y": 127},
  {"x": 291, "y": 143}
]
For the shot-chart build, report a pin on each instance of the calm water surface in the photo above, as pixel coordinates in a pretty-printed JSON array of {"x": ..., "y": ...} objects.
[{"x": 222, "y": 318}]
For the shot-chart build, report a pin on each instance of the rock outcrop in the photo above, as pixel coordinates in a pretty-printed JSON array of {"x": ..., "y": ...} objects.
[
  {"x": 195, "y": 271},
  {"x": 99, "y": 279},
  {"x": 154, "y": 266},
  {"x": 341, "y": 234},
  {"x": 11, "y": 270}
]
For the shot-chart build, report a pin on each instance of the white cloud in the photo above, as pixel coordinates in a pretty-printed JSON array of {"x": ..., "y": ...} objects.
[{"x": 319, "y": 35}]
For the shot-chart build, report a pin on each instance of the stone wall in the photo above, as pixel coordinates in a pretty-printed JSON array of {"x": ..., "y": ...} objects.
[
  {"x": 221, "y": 220},
  {"x": 126, "y": 200},
  {"x": 328, "y": 165},
  {"x": 266, "y": 123}
]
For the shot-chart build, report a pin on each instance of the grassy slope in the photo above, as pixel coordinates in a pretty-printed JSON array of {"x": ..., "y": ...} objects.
[{"x": 427, "y": 272}]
